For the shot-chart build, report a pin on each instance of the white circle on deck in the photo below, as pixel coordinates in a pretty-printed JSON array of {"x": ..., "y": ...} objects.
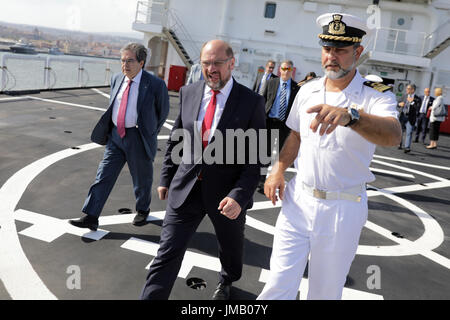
[{"x": 24, "y": 283}]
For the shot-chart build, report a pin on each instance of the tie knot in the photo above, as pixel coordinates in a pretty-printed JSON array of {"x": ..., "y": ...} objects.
[
  {"x": 215, "y": 92},
  {"x": 284, "y": 84}
]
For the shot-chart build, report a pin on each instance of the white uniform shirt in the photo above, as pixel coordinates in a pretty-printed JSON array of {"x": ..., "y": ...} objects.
[
  {"x": 221, "y": 100},
  {"x": 341, "y": 159},
  {"x": 131, "y": 114}
]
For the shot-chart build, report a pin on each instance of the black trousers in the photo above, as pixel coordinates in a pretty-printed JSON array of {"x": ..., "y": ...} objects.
[
  {"x": 179, "y": 226},
  {"x": 434, "y": 130},
  {"x": 421, "y": 127}
]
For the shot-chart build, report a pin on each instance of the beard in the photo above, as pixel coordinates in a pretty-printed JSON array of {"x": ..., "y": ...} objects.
[
  {"x": 216, "y": 85},
  {"x": 334, "y": 75}
]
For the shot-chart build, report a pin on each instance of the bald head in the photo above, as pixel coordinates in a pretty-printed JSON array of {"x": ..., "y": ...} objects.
[{"x": 217, "y": 62}]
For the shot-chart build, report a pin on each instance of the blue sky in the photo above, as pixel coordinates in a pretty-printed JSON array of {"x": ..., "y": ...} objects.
[{"x": 79, "y": 15}]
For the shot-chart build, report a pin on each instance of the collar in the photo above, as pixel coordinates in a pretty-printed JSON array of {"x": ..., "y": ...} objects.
[
  {"x": 225, "y": 90},
  {"x": 354, "y": 87},
  {"x": 288, "y": 81},
  {"x": 136, "y": 79}
]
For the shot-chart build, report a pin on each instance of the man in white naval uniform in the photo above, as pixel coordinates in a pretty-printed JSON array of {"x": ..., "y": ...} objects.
[{"x": 336, "y": 122}]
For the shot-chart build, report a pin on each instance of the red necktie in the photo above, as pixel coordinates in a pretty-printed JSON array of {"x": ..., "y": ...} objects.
[
  {"x": 208, "y": 119},
  {"x": 123, "y": 111}
]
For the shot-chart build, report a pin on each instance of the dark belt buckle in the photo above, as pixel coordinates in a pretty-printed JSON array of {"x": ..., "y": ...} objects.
[{"x": 320, "y": 194}]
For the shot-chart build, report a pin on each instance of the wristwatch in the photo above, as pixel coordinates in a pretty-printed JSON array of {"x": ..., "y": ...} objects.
[{"x": 354, "y": 116}]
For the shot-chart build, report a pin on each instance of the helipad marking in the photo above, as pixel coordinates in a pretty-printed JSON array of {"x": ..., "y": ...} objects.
[
  {"x": 67, "y": 103},
  {"x": 16, "y": 272},
  {"x": 432, "y": 176},
  {"x": 191, "y": 259},
  {"x": 33, "y": 285},
  {"x": 424, "y": 164},
  {"x": 101, "y": 93},
  {"x": 48, "y": 228},
  {"x": 13, "y": 99},
  {"x": 392, "y": 173},
  {"x": 347, "y": 293}
]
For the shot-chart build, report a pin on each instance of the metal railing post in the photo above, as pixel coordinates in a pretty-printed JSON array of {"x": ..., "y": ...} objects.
[{"x": 3, "y": 77}]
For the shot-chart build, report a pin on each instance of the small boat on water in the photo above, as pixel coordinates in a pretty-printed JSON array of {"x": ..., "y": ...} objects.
[
  {"x": 55, "y": 51},
  {"x": 21, "y": 47}
]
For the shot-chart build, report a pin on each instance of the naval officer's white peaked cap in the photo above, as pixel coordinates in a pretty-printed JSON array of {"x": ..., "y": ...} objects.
[{"x": 341, "y": 29}]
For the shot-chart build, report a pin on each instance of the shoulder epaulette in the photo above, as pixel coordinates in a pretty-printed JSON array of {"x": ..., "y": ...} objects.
[{"x": 377, "y": 86}]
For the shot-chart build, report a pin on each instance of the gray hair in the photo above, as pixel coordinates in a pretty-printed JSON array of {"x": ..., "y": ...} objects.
[
  {"x": 139, "y": 50},
  {"x": 412, "y": 85},
  {"x": 289, "y": 62}
]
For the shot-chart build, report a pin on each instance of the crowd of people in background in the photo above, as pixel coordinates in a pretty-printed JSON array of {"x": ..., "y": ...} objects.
[{"x": 423, "y": 114}]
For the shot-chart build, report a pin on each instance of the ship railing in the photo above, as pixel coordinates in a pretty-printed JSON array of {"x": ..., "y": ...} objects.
[
  {"x": 158, "y": 13},
  {"x": 436, "y": 37},
  {"x": 20, "y": 72},
  {"x": 398, "y": 41}
]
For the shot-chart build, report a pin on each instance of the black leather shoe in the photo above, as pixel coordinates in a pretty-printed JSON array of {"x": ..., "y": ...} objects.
[
  {"x": 86, "y": 222},
  {"x": 141, "y": 218},
  {"x": 407, "y": 150},
  {"x": 222, "y": 292}
]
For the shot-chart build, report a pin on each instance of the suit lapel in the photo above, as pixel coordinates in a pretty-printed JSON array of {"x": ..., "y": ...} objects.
[
  {"x": 143, "y": 90},
  {"x": 116, "y": 89},
  {"x": 197, "y": 99}
]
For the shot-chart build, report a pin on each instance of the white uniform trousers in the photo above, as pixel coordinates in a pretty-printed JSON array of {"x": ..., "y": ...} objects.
[{"x": 326, "y": 230}]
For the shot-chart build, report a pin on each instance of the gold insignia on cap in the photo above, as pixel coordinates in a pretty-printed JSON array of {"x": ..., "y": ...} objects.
[{"x": 336, "y": 26}]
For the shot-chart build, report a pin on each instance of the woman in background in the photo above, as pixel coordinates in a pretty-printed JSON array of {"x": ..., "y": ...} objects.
[{"x": 435, "y": 121}]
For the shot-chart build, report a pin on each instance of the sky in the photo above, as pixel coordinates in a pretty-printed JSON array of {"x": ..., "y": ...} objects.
[{"x": 77, "y": 15}]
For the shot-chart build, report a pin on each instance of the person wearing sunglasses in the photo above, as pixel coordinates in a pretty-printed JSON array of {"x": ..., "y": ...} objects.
[{"x": 279, "y": 95}]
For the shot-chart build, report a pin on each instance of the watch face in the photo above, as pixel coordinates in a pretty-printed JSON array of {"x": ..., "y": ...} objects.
[{"x": 355, "y": 113}]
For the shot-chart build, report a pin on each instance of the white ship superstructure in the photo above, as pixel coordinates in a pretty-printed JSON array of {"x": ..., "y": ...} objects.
[{"x": 408, "y": 43}]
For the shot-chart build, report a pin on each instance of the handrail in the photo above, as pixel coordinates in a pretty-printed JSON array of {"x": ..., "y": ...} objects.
[
  {"x": 7, "y": 71},
  {"x": 389, "y": 40},
  {"x": 146, "y": 13}
]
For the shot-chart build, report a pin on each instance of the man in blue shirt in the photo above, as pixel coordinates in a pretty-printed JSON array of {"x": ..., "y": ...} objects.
[{"x": 279, "y": 95}]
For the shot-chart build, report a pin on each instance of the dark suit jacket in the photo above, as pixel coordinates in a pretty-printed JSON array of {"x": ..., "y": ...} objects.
[
  {"x": 270, "y": 95},
  {"x": 259, "y": 78},
  {"x": 429, "y": 104},
  {"x": 152, "y": 110},
  {"x": 243, "y": 110},
  {"x": 414, "y": 108}
]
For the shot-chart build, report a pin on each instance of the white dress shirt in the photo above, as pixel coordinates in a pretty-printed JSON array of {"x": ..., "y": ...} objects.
[
  {"x": 339, "y": 160},
  {"x": 131, "y": 114},
  {"x": 221, "y": 100}
]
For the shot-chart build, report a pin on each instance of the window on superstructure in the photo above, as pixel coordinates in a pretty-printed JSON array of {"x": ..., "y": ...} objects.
[{"x": 270, "y": 10}]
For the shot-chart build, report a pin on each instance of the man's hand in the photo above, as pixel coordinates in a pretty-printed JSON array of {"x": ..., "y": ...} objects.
[
  {"x": 229, "y": 208},
  {"x": 273, "y": 183},
  {"x": 162, "y": 193},
  {"x": 401, "y": 104},
  {"x": 330, "y": 117}
]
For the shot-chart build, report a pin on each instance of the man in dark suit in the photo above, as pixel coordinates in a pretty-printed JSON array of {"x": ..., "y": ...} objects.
[
  {"x": 422, "y": 120},
  {"x": 196, "y": 186},
  {"x": 279, "y": 95},
  {"x": 408, "y": 109},
  {"x": 262, "y": 78},
  {"x": 138, "y": 107}
]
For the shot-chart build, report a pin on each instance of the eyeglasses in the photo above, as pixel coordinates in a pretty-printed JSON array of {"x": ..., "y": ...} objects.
[
  {"x": 217, "y": 63},
  {"x": 286, "y": 69},
  {"x": 127, "y": 61}
]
